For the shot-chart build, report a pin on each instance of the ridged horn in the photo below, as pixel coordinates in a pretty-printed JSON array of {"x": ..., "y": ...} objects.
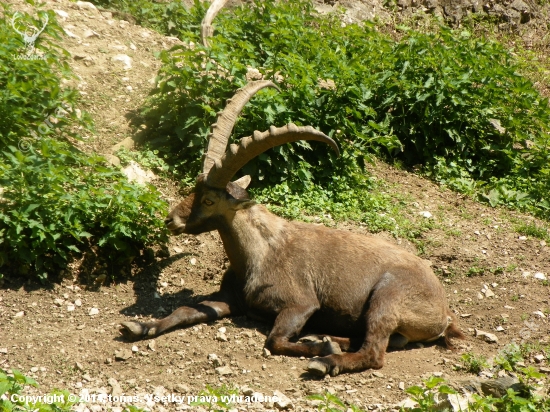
[
  {"x": 249, "y": 147},
  {"x": 221, "y": 130},
  {"x": 207, "y": 30}
]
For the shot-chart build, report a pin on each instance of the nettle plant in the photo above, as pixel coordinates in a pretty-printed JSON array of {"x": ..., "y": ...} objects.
[
  {"x": 444, "y": 100},
  {"x": 56, "y": 201}
]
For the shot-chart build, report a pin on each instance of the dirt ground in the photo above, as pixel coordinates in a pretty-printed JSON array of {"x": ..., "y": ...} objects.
[{"x": 66, "y": 335}]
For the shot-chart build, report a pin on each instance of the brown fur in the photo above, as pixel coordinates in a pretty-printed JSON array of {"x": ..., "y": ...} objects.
[{"x": 360, "y": 288}]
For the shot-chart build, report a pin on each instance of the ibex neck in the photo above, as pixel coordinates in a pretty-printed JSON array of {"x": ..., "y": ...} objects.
[{"x": 249, "y": 236}]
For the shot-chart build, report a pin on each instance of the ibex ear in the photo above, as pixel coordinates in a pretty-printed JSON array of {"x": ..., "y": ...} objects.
[{"x": 243, "y": 182}]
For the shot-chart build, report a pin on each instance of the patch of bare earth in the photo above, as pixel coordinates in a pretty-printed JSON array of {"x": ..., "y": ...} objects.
[{"x": 66, "y": 336}]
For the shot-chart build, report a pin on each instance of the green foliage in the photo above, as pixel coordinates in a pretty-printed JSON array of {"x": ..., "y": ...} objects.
[
  {"x": 474, "y": 363},
  {"x": 425, "y": 395},
  {"x": 444, "y": 100},
  {"x": 14, "y": 384},
  {"x": 533, "y": 230},
  {"x": 56, "y": 201},
  {"x": 147, "y": 158},
  {"x": 509, "y": 357},
  {"x": 59, "y": 202}
]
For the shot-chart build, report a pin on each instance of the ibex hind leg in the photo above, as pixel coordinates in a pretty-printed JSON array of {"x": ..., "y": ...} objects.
[{"x": 382, "y": 320}]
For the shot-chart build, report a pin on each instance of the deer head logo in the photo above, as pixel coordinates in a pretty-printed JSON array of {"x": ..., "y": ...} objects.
[{"x": 30, "y": 33}]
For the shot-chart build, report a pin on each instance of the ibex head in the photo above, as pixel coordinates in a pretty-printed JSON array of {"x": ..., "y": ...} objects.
[{"x": 215, "y": 198}]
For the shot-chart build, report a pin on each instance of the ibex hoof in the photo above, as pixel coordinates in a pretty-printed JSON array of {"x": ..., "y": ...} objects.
[
  {"x": 133, "y": 330},
  {"x": 330, "y": 347},
  {"x": 318, "y": 368}
]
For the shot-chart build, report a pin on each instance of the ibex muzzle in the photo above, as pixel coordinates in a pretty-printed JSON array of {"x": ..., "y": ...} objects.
[{"x": 362, "y": 293}]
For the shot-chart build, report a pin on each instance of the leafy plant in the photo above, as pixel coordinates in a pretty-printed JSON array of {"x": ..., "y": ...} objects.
[
  {"x": 14, "y": 384},
  {"x": 509, "y": 357},
  {"x": 474, "y": 363},
  {"x": 444, "y": 100},
  {"x": 56, "y": 201}
]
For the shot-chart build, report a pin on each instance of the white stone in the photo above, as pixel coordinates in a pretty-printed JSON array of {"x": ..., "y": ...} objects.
[
  {"x": 93, "y": 311},
  {"x": 540, "y": 275},
  {"x": 134, "y": 172},
  {"x": 124, "y": 59},
  {"x": 425, "y": 214}
]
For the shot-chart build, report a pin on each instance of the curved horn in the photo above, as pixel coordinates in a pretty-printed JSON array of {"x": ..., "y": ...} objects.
[
  {"x": 251, "y": 146},
  {"x": 221, "y": 130},
  {"x": 206, "y": 25}
]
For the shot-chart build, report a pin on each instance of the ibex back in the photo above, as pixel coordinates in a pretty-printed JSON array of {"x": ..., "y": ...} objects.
[{"x": 357, "y": 291}]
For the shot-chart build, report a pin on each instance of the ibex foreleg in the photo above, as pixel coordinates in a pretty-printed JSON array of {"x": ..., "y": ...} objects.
[{"x": 288, "y": 324}]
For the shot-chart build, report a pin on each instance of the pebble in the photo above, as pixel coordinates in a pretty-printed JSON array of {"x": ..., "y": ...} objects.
[
  {"x": 59, "y": 302},
  {"x": 124, "y": 59},
  {"x": 539, "y": 358},
  {"x": 539, "y": 314},
  {"x": 425, "y": 214},
  {"x": 93, "y": 311},
  {"x": 34, "y": 369},
  {"x": 4, "y": 351},
  {"x": 224, "y": 370},
  {"x": 123, "y": 354},
  {"x": 214, "y": 359},
  {"x": 499, "y": 329},
  {"x": 193, "y": 261},
  {"x": 266, "y": 353},
  {"x": 540, "y": 275},
  {"x": 282, "y": 402},
  {"x": 152, "y": 345},
  {"x": 489, "y": 293},
  {"x": 19, "y": 314},
  {"x": 486, "y": 336},
  {"x": 78, "y": 302},
  {"x": 70, "y": 308},
  {"x": 401, "y": 386},
  {"x": 377, "y": 374},
  {"x": 522, "y": 238},
  {"x": 135, "y": 349}
]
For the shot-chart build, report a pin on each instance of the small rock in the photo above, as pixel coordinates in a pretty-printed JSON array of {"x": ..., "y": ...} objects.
[
  {"x": 525, "y": 274},
  {"x": 425, "y": 214},
  {"x": 540, "y": 275},
  {"x": 178, "y": 249},
  {"x": 34, "y": 369},
  {"x": 124, "y": 59},
  {"x": 59, "y": 302},
  {"x": 543, "y": 369},
  {"x": 282, "y": 402},
  {"x": 499, "y": 328},
  {"x": 539, "y": 314},
  {"x": 377, "y": 374},
  {"x": 193, "y": 261},
  {"x": 266, "y": 353},
  {"x": 224, "y": 370},
  {"x": 62, "y": 14},
  {"x": 78, "y": 302},
  {"x": 542, "y": 243},
  {"x": 152, "y": 345},
  {"x": 80, "y": 327},
  {"x": 123, "y": 354},
  {"x": 85, "y": 5},
  {"x": 401, "y": 386},
  {"x": 79, "y": 367},
  {"x": 465, "y": 315},
  {"x": 93, "y": 311},
  {"x": 4, "y": 351},
  {"x": 90, "y": 33},
  {"x": 19, "y": 314},
  {"x": 486, "y": 336},
  {"x": 70, "y": 308},
  {"x": 489, "y": 293},
  {"x": 539, "y": 358},
  {"x": 214, "y": 359},
  {"x": 522, "y": 238},
  {"x": 135, "y": 349},
  {"x": 221, "y": 337}
]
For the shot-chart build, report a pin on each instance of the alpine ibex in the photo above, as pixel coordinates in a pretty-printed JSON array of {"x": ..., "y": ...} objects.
[{"x": 358, "y": 288}]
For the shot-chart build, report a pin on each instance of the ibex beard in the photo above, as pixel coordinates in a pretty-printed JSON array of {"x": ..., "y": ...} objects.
[{"x": 362, "y": 294}]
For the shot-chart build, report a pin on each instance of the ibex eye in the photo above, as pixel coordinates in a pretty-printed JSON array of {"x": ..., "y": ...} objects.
[{"x": 208, "y": 202}]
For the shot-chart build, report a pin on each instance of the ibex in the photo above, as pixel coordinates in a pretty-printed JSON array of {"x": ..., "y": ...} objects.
[{"x": 349, "y": 287}]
